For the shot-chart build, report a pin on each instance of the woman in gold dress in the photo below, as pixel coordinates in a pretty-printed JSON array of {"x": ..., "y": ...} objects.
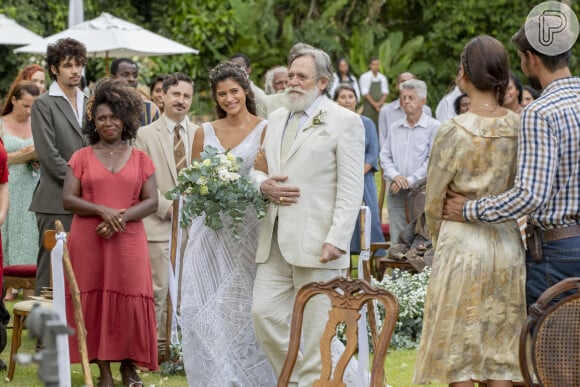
[{"x": 476, "y": 297}]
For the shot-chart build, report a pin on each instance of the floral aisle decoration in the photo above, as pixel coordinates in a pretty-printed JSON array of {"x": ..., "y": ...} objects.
[
  {"x": 214, "y": 187},
  {"x": 410, "y": 290}
]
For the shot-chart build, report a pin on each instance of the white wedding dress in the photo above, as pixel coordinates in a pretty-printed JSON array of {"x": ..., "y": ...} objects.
[{"x": 218, "y": 340}]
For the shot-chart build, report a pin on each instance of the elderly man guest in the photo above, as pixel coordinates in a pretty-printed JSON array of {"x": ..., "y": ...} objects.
[
  {"x": 276, "y": 80},
  {"x": 547, "y": 180},
  {"x": 393, "y": 111},
  {"x": 315, "y": 154},
  {"x": 405, "y": 153},
  {"x": 56, "y": 121},
  {"x": 126, "y": 71},
  {"x": 159, "y": 140}
]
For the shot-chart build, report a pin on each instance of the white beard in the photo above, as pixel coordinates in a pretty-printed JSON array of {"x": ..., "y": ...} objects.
[{"x": 298, "y": 103}]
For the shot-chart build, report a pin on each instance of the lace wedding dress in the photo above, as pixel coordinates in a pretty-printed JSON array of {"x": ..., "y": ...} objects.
[{"x": 218, "y": 339}]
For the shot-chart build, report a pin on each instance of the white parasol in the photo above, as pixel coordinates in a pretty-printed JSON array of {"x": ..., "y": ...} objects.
[{"x": 13, "y": 33}]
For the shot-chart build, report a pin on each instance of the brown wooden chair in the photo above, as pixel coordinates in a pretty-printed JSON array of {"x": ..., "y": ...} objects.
[
  {"x": 553, "y": 330},
  {"x": 347, "y": 296},
  {"x": 21, "y": 310},
  {"x": 19, "y": 276}
]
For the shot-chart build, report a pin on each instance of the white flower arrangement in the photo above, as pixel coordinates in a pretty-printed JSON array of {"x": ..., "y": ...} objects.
[{"x": 214, "y": 187}]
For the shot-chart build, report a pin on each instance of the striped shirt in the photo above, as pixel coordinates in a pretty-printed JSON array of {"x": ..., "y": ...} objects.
[{"x": 547, "y": 184}]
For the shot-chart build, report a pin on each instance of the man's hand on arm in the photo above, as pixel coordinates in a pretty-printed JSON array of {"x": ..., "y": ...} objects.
[
  {"x": 453, "y": 206},
  {"x": 330, "y": 253},
  {"x": 278, "y": 193}
]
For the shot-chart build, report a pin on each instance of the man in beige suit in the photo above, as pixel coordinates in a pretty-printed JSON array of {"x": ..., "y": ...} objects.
[
  {"x": 315, "y": 155},
  {"x": 159, "y": 140}
]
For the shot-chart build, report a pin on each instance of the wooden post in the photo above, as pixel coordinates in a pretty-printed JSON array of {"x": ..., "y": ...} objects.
[
  {"x": 78, "y": 311},
  {"x": 172, "y": 257}
]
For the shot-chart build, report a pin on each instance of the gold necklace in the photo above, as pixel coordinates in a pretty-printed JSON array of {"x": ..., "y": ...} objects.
[{"x": 113, "y": 151}]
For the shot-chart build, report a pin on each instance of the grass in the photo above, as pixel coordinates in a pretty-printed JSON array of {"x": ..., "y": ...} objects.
[{"x": 399, "y": 368}]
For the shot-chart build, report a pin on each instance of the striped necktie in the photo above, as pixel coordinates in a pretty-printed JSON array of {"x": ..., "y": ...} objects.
[
  {"x": 290, "y": 134},
  {"x": 178, "y": 148}
]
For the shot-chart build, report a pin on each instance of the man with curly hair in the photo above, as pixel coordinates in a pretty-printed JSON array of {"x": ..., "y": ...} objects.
[{"x": 57, "y": 118}]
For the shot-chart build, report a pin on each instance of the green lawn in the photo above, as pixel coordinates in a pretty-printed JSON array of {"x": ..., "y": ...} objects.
[{"x": 399, "y": 369}]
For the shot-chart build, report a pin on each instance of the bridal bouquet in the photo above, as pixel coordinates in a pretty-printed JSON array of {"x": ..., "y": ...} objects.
[{"x": 214, "y": 187}]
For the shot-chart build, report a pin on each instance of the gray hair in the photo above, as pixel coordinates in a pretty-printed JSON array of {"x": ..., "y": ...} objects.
[
  {"x": 417, "y": 85},
  {"x": 269, "y": 78},
  {"x": 321, "y": 60}
]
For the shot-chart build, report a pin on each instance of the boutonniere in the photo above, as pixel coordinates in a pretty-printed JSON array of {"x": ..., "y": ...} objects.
[{"x": 318, "y": 119}]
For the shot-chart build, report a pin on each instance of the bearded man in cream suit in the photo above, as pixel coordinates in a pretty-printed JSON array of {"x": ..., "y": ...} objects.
[
  {"x": 158, "y": 139},
  {"x": 314, "y": 151}
]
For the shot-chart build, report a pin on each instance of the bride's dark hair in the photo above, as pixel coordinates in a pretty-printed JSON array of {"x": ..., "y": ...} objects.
[{"x": 230, "y": 70}]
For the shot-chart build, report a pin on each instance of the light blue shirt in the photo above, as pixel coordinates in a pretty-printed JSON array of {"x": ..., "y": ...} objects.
[
  {"x": 389, "y": 114},
  {"x": 406, "y": 149}
]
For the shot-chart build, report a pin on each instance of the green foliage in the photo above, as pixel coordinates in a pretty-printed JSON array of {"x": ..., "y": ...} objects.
[
  {"x": 214, "y": 188},
  {"x": 397, "y": 57}
]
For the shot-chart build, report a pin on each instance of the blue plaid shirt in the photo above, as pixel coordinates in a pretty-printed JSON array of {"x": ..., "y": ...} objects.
[{"x": 547, "y": 184}]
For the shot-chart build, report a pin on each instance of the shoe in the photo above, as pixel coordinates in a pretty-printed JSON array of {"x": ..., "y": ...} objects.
[
  {"x": 129, "y": 376},
  {"x": 101, "y": 383}
]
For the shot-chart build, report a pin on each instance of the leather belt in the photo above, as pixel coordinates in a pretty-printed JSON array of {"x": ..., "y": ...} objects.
[{"x": 561, "y": 233}]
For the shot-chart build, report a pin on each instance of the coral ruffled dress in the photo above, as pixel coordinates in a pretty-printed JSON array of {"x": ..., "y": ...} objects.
[{"x": 114, "y": 275}]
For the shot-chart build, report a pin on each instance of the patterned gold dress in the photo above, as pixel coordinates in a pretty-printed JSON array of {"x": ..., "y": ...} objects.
[{"x": 475, "y": 302}]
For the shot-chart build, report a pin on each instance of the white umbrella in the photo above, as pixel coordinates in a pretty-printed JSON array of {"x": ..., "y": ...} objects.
[
  {"x": 14, "y": 34},
  {"x": 108, "y": 36}
]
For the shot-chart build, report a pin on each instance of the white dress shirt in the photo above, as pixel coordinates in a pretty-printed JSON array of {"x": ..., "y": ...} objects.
[
  {"x": 55, "y": 91},
  {"x": 367, "y": 78},
  {"x": 446, "y": 108}
]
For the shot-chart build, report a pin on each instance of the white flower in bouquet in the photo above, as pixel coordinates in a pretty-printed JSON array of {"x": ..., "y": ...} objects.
[{"x": 214, "y": 188}]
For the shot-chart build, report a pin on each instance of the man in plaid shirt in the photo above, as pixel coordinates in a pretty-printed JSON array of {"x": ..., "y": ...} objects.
[{"x": 547, "y": 184}]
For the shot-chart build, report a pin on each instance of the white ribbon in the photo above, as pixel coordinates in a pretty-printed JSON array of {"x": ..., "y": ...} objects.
[
  {"x": 174, "y": 279},
  {"x": 60, "y": 309},
  {"x": 363, "y": 338}
]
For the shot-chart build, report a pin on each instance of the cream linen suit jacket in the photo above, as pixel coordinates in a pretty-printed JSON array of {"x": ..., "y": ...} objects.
[
  {"x": 155, "y": 140},
  {"x": 326, "y": 162}
]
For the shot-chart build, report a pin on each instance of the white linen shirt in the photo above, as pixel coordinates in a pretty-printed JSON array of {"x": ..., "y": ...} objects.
[
  {"x": 55, "y": 91},
  {"x": 366, "y": 79},
  {"x": 406, "y": 150}
]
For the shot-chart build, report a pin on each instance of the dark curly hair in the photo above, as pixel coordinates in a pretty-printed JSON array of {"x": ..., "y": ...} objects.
[
  {"x": 230, "y": 70},
  {"x": 122, "y": 100},
  {"x": 63, "y": 49},
  {"x": 486, "y": 64}
]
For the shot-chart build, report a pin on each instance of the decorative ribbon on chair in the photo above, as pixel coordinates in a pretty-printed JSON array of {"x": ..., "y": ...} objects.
[
  {"x": 363, "y": 338},
  {"x": 60, "y": 309},
  {"x": 174, "y": 280}
]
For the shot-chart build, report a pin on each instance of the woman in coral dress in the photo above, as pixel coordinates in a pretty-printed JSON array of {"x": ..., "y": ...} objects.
[{"x": 110, "y": 188}]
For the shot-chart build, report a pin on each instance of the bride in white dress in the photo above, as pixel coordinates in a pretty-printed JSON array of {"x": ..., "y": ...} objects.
[{"x": 218, "y": 339}]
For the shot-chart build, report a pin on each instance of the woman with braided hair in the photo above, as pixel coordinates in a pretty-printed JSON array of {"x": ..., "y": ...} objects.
[
  {"x": 110, "y": 188},
  {"x": 475, "y": 302}
]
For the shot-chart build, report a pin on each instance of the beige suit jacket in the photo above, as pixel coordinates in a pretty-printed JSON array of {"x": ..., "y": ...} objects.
[
  {"x": 326, "y": 162},
  {"x": 156, "y": 141}
]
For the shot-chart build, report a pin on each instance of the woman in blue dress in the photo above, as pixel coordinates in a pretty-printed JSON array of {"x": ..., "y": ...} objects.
[{"x": 346, "y": 97}]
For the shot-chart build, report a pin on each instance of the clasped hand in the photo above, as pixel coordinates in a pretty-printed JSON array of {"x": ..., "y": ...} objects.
[
  {"x": 280, "y": 194},
  {"x": 112, "y": 222},
  {"x": 399, "y": 183}
]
